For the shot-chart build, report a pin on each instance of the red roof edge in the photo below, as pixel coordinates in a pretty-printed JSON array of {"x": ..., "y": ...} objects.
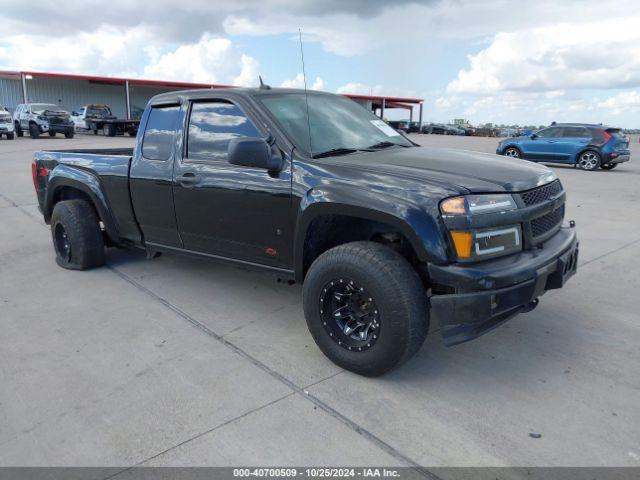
[{"x": 169, "y": 83}]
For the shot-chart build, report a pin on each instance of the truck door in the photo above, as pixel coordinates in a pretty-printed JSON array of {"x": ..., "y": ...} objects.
[
  {"x": 241, "y": 213},
  {"x": 151, "y": 177}
]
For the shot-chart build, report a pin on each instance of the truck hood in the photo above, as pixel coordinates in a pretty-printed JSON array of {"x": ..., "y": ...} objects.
[{"x": 475, "y": 172}]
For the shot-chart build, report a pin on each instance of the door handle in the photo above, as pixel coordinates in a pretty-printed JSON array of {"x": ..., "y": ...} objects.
[{"x": 188, "y": 178}]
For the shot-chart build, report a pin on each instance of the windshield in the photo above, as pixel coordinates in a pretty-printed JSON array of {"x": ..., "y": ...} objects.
[
  {"x": 41, "y": 107},
  {"x": 337, "y": 123}
]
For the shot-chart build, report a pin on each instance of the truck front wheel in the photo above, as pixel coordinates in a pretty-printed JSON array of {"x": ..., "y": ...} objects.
[
  {"x": 77, "y": 238},
  {"x": 365, "y": 307},
  {"x": 34, "y": 131}
]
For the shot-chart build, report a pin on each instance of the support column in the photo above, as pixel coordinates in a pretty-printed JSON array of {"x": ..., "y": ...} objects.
[
  {"x": 411, "y": 115},
  {"x": 420, "y": 116},
  {"x": 24, "y": 88},
  {"x": 382, "y": 108},
  {"x": 126, "y": 91}
]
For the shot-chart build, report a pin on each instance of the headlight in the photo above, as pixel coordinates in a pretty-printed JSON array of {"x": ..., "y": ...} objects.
[
  {"x": 480, "y": 244},
  {"x": 477, "y": 204}
]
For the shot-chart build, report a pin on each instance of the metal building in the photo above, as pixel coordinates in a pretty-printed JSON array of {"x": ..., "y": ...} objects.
[{"x": 128, "y": 96}]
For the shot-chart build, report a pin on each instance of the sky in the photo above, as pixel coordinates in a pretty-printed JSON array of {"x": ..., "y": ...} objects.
[{"x": 496, "y": 61}]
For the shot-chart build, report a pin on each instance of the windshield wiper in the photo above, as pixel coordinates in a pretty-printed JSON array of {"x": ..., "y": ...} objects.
[
  {"x": 387, "y": 144},
  {"x": 335, "y": 152}
]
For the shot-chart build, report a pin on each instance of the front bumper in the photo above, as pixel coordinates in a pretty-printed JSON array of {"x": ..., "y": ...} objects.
[
  {"x": 6, "y": 127},
  {"x": 491, "y": 292},
  {"x": 60, "y": 127}
]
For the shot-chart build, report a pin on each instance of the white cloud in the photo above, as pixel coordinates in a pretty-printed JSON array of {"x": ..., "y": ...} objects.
[
  {"x": 108, "y": 51},
  {"x": 211, "y": 60},
  {"x": 298, "y": 82},
  {"x": 362, "y": 89},
  {"x": 598, "y": 55},
  {"x": 622, "y": 102}
]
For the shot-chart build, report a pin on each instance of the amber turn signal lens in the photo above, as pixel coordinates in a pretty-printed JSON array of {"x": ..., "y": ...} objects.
[
  {"x": 462, "y": 241},
  {"x": 455, "y": 205}
]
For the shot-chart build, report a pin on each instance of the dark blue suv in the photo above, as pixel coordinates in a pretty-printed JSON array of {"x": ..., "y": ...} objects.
[{"x": 587, "y": 146}]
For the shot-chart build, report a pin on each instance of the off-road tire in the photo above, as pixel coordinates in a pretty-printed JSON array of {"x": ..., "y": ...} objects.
[
  {"x": 18, "y": 129},
  {"x": 398, "y": 294},
  {"x": 10, "y": 136},
  {"x": 80, "y": 223},
  {"x": 34, "y": 131},
  {"x": 52, "y": 134},
  {"x": 69, "y": 134}
]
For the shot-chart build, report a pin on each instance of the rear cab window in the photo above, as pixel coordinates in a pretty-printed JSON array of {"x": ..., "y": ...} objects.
[{"x": 159, "y": 134}]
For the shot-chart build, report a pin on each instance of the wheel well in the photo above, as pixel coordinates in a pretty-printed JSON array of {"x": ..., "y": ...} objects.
[
  {"x": 71, "y": 193},
  {"x": 328, "y": 231}
]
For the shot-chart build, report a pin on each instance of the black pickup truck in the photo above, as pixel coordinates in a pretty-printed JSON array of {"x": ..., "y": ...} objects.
[{"x": 382, "y": 233}]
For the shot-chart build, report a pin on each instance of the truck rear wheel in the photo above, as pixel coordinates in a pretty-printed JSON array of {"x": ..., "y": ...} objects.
[
  {"x": 108, "y": 130},
  {"x": 69, "y": 134},
  {"x": 34, "y": 131},
  {"x": 365, "y": 307},
  {"x": 77, "y": 238}
]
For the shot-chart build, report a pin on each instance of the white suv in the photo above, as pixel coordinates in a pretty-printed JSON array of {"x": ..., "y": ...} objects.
[
  {"x": 6, "y": 123},
  {"x": 37, "y": 118}
]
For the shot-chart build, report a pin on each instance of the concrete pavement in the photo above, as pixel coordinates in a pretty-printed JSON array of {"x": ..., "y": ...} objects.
[{"x": 175, "y": 361}]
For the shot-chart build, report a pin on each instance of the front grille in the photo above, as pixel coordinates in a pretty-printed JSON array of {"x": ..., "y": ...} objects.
[
  {"x": 56, "y": 120},
  {"x": 541, "y": 194},
  {"x": 545, "y": 223}
]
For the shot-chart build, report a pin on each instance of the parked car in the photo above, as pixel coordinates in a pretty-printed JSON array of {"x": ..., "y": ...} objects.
[
  {"x": 587, "y": 146},
  {"x": 99, "y": 118},
  {"x": 414, "y": 127},
  {"x": 435, "y": 128},
  {"x": 382, "y": 233},
  {"x": 400, "y": 125},
  {"x": 6, "y": 123},
  {"x": 38, "y": 118},
  {"x": 453, "y": 130},
  {"x": 467, "y": 129}
]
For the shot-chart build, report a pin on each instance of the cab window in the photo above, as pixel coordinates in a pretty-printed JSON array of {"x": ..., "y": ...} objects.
[
  {"x": 212, "y": 125},
  {"x": 552, "y": 132},
  {"x": 159, "y": 135},
  {"x": 575, "y": 132}
]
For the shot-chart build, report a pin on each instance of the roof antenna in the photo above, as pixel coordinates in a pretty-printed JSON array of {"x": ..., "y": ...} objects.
[
  {"x": 306, "y": 96},
  {"x": 263, "y": 86}
]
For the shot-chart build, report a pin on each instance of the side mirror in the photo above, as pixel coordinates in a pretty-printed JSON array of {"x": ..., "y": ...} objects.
[
  {"x": 533, "y": 136},
  {"x": 253, "y": 152}
]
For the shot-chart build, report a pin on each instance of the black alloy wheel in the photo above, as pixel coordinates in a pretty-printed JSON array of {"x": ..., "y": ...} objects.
[
  {"x": 349, "y": 314},
  {"x": 61, "y": 242}
]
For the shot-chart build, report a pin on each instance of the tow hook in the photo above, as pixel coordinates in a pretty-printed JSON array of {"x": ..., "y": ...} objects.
[{"x": 531, "y": 305}]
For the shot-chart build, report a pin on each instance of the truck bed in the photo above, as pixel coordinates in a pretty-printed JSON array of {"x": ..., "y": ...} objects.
[{"x": 103, "y": 174}]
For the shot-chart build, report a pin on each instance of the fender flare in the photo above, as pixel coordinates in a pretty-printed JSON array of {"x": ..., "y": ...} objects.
[
  {"x": 419, "y": 227},
  {"x": 64, "y": 176}
]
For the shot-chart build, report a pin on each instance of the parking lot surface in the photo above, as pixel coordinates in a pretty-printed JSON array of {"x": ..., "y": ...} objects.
[{"x": 175, "y": 361}]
